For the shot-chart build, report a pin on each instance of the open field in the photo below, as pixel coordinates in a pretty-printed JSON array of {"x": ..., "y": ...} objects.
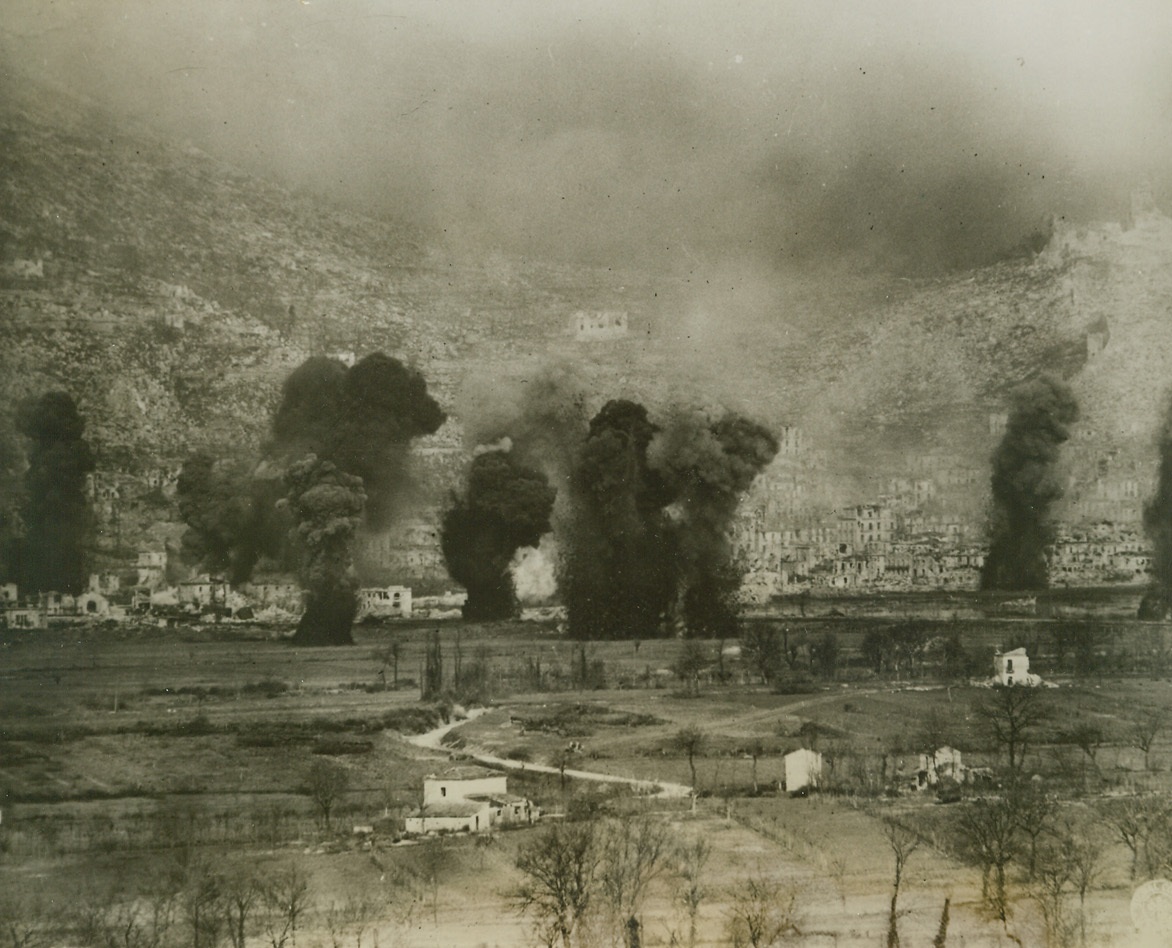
[{"x": 129, "y": 758}]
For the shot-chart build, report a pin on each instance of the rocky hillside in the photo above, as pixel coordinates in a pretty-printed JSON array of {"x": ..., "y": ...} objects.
[{"x": 171, "y": 294}]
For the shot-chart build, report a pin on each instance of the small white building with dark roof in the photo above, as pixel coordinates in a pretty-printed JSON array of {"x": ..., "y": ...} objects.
[{"x": 468, "y": 799}]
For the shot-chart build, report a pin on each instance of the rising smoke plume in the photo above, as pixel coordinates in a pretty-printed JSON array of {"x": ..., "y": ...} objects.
[
  {"x": 505, "y": 506},
  {"x": 1026, "y": 485},
  {"x": 55, "y": 514},
  {"x": 709, "y": 463},
  {"x": 359, "y": 422},
  {"x": 617, "y": 574},
  {"x": 543, "y": 416},
  {"x": 363, "y": 419},
  {"x": 327, "y": 505},
  {"x": 231, "y": 515},
  {"x": 12, "y": 468},
  {"x": 1158, "y": 525}
]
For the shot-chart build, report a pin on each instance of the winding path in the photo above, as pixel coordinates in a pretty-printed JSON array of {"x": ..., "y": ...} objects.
[{"x": 433, "y": 740}]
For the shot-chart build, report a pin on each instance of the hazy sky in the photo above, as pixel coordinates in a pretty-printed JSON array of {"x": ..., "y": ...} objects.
[{"x": 906, "y": 136}]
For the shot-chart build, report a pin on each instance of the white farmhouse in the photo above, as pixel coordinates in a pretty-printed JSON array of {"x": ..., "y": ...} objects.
[
  {"x": 1013, "y": 668},
  {"x": 468, "y": 799},
  {"x": 803, "y": 770}
]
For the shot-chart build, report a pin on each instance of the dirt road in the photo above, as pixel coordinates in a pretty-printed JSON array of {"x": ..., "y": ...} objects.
[{"x": 433, "y": 740}]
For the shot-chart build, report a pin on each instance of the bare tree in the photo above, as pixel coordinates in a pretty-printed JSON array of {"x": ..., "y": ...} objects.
[
  {"x": 1033, "y": 811},
  {"x": 761, "y": 650},
  {"x": 756, "y": 750},
  {"x": 690, "y": 740},
  {"x": 560, "y": 882},
  {"x": 24, "y": 920},
  {"x": 988, "y": 838},
  {"x": 1088, "y": 738},
  {"x": 241, "y": 895},
  {"x": 634, "y": 852},
  {"x": 326, "y": 783},
  {"x": 1134, "y": 821},
  {"x": 1084, "y": 854},
  {"x": 110, "y": 920},
  {"x": 690, "y": 862},
  {"x": 286, "y": 898},
  {"x": 1145, "y": 729},
  {"x": 934, "y": 730},
  {"x": 202, "y": 905},
  {"x": 903, "y": 841},
  {"x": 388, "y": 656},
  {"x": 349, "y": 918},
  {"x": 432, "y": 860},
  {"x": 762, "y": 913},
  {"x": 1011, "y": 715},
  {"x": 1049, "y": 888},
  {"x": 692, "y": 659}
]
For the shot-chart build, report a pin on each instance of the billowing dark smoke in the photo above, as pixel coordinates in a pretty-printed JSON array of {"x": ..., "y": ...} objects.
[
  {"x": 11, "y": 502},
  {"x": 56, "y": 516},
  {"x": 1158, "y": 525},
  {"x": 506, "y": 505},
  {"x": 231, "y": 516},
  {"x": 304, "y": 422},
  {"x": 544, "y": 418},
  {"x": 709, "y": 464},
  {"x": 617, "y": 574},
  {"x": 362, "y": 419},
  {"x": 358, "y": 421},
  {"x": 327, "y": 505},
  {"x": 1026, "y": 484}
]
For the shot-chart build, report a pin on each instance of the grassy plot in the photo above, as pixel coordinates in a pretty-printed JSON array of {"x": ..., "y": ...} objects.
[{"x": 145, "y": 758}]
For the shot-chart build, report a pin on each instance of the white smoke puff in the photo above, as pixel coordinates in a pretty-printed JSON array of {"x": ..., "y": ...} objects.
[
  {"x": 534, "y": 573},
  {"x": 504, "y": 445}
]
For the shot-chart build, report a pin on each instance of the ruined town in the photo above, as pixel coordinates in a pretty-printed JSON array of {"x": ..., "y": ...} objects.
[{"x": 490, "y": 475}]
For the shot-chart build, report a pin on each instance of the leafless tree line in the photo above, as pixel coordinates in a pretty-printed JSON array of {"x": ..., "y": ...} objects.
[{"x": 585, "y": 883}]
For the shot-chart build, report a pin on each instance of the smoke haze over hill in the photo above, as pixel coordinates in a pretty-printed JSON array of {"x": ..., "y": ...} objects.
[{"x": 910, "y": 137}]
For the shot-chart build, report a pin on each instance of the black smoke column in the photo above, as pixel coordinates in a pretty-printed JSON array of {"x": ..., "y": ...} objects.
[
  {"x": 710, "y": 464},
  {"x": 56, "y": 516},
  {"x": 617, "y": 570},
  {"x": 1158, "y": 525},
  {"x": 357, "y": 425},
  {"x": 231, "y": 515},
  {"x": 305, "y": 419},
  {"x": 362, "y": 419},
  {"x": 327, "y": 506},
  {"x": 382, "y": 407},
  {"x": 1026, "y": 485},
  {"x": 505, "y": 506}
]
